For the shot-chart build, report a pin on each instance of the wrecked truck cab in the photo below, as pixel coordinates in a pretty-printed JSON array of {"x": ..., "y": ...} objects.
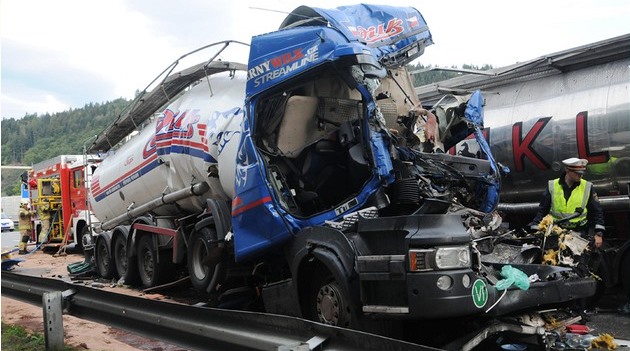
[
  {"x": 314, "y": 146},
  {"x": 327, "y": 115},
  {"x": 328, "y": 159}
]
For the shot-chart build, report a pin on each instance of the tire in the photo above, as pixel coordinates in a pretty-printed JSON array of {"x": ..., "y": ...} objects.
[
  {"x": 328, "y": 303},
  {"x": 203, "y": 259},
  {"x": 126, "y": 268},
  {"x": 154, "y": 266},
  {"x": 104, "y": 264}
]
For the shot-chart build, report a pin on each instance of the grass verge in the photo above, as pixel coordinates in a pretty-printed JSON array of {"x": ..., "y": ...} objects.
[{"x": 16, "y": 338}]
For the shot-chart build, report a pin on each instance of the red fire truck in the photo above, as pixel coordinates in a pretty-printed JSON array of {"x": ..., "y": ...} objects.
[{"x": 58, "y": 187}]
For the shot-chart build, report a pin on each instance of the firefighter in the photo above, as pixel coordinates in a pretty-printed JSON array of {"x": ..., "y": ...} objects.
[
  {"x": 43, "y": 212},
  {"x": 24, "y": 215}
]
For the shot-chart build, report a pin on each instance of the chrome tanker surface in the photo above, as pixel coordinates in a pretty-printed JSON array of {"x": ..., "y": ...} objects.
[
  {"x": 572, "y": 103},
  {"x": 532, "y": 126},
  {"x": 190, "y": 134}
]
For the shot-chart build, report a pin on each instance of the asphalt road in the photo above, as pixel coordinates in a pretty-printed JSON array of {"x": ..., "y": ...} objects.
[
  {"x": 9, "y": 239},
  {"x": 605, "y": 318}
]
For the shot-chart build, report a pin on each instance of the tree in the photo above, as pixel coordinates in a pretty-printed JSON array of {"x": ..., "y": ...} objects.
[
  {"x": 429, "y": 74},
  {"x": 35, "y": 138}
]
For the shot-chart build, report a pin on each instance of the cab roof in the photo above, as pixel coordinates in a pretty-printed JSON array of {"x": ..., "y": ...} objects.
[{"x": 309, "y": 36}]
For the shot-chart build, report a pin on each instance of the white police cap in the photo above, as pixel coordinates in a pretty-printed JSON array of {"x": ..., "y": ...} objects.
[{"x": 577, "y": 165}]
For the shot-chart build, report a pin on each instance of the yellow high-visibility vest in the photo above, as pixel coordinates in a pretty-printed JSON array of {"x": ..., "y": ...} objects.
[{"x": 561, "y": 208}]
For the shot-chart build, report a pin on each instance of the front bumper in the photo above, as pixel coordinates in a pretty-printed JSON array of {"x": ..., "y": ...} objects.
[{"x": 387, "y": 289}]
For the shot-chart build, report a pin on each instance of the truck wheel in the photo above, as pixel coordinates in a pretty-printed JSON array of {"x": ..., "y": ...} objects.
[
  {"x": 104, "y": 266},
  {"x": 204, "y": 259},
  {"x": 328, "y": 303},
  {"x": 153, "y": 270},
  {"x": 127, "y": 268},
  {"x": 84, "y": 241}
]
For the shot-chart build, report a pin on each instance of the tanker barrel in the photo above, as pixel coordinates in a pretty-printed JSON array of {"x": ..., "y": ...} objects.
[
  {"x": 618, "y": 202},
  {"x": 194, "y": 190},
  {"x": 518, "y": 208},
  {"x": 609, "y": 203}
]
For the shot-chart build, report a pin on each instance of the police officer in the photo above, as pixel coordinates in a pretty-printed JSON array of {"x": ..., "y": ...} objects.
[
  {"x": 569, "y": 194},
  {"x": 24, "y": 225}
]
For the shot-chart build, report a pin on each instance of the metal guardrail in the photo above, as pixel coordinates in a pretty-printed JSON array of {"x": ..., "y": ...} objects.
[{"x": 193, "y": 327}]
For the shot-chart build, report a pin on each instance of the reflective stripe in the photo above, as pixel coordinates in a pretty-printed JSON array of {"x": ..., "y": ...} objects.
[
  {"x": 561, "y": 208},
  {"x": 24, "y": 219}
]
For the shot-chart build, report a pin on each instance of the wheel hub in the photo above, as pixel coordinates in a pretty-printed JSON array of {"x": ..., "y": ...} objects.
[
  {"x": 103, "y": 254},
  {"x": 122, "y": 253},
  {"x": 329, "y": 304},
  {"x": 198, "y": 268},
  {"x": 147, "y": 263}
]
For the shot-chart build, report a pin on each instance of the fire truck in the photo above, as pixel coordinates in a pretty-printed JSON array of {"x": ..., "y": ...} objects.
[{"x": 58, "y": 188}]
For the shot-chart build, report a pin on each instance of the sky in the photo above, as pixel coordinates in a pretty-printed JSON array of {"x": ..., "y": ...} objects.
[{"x": 63, "y": 54}]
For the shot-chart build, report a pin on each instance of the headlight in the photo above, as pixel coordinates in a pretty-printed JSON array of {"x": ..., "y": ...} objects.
[
  {"x": 452, "y": 257},
  {"x": 448, "y": 257}
]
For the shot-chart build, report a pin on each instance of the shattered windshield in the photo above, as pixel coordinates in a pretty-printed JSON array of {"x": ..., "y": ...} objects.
[{"x": 309, "y": 134}]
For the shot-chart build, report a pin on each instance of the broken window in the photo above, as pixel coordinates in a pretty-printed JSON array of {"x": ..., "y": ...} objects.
[{"x": 310, "y": 136}]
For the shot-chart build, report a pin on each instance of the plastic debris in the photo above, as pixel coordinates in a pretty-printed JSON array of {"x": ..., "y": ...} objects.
[
  {"x": 81, "y": 269},
  {"x": 8, "y": 261},
  {"x": 513, "y": 276}
]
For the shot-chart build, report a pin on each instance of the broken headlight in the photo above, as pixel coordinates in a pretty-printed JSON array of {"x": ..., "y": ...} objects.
[{"x": 447, "y": 257}]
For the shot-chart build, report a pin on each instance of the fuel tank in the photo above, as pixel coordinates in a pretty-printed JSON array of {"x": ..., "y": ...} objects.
[{"x": 193, "y": 139}]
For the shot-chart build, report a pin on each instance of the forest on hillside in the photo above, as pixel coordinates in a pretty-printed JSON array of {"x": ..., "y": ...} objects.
[
  {"x": 34, "y": 138},
  {"x": 431, "y": 74}
]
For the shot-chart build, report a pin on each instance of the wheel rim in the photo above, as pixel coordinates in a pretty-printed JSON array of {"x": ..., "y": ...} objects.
[
  {"x": 331, "y": 305},
  {"x": 86, "y": 239},
  {"x": 200, "y": 252},
  {"x": 147, "y": 264},
  {"x": 121, "y": 257},
  {"x": 103, "y": 258}
]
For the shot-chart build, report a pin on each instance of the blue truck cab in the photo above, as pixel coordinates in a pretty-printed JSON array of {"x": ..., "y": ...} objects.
[{"x": 355, "y": 212}]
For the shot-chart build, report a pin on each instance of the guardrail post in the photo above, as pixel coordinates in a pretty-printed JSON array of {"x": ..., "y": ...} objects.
[{"x": 53, "y": 319}]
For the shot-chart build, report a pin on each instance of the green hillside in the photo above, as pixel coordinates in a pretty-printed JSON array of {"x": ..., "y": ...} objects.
[
  {"x": 35, "y": 138},
  {"x": 430, "y": 74}
]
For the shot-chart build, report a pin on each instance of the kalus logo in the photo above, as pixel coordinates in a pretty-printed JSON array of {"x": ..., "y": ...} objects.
[{"x": 379, "y": 32}]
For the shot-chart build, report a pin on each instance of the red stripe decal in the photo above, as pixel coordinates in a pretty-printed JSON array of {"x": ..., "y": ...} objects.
[{"x": 251, "y": 205}]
